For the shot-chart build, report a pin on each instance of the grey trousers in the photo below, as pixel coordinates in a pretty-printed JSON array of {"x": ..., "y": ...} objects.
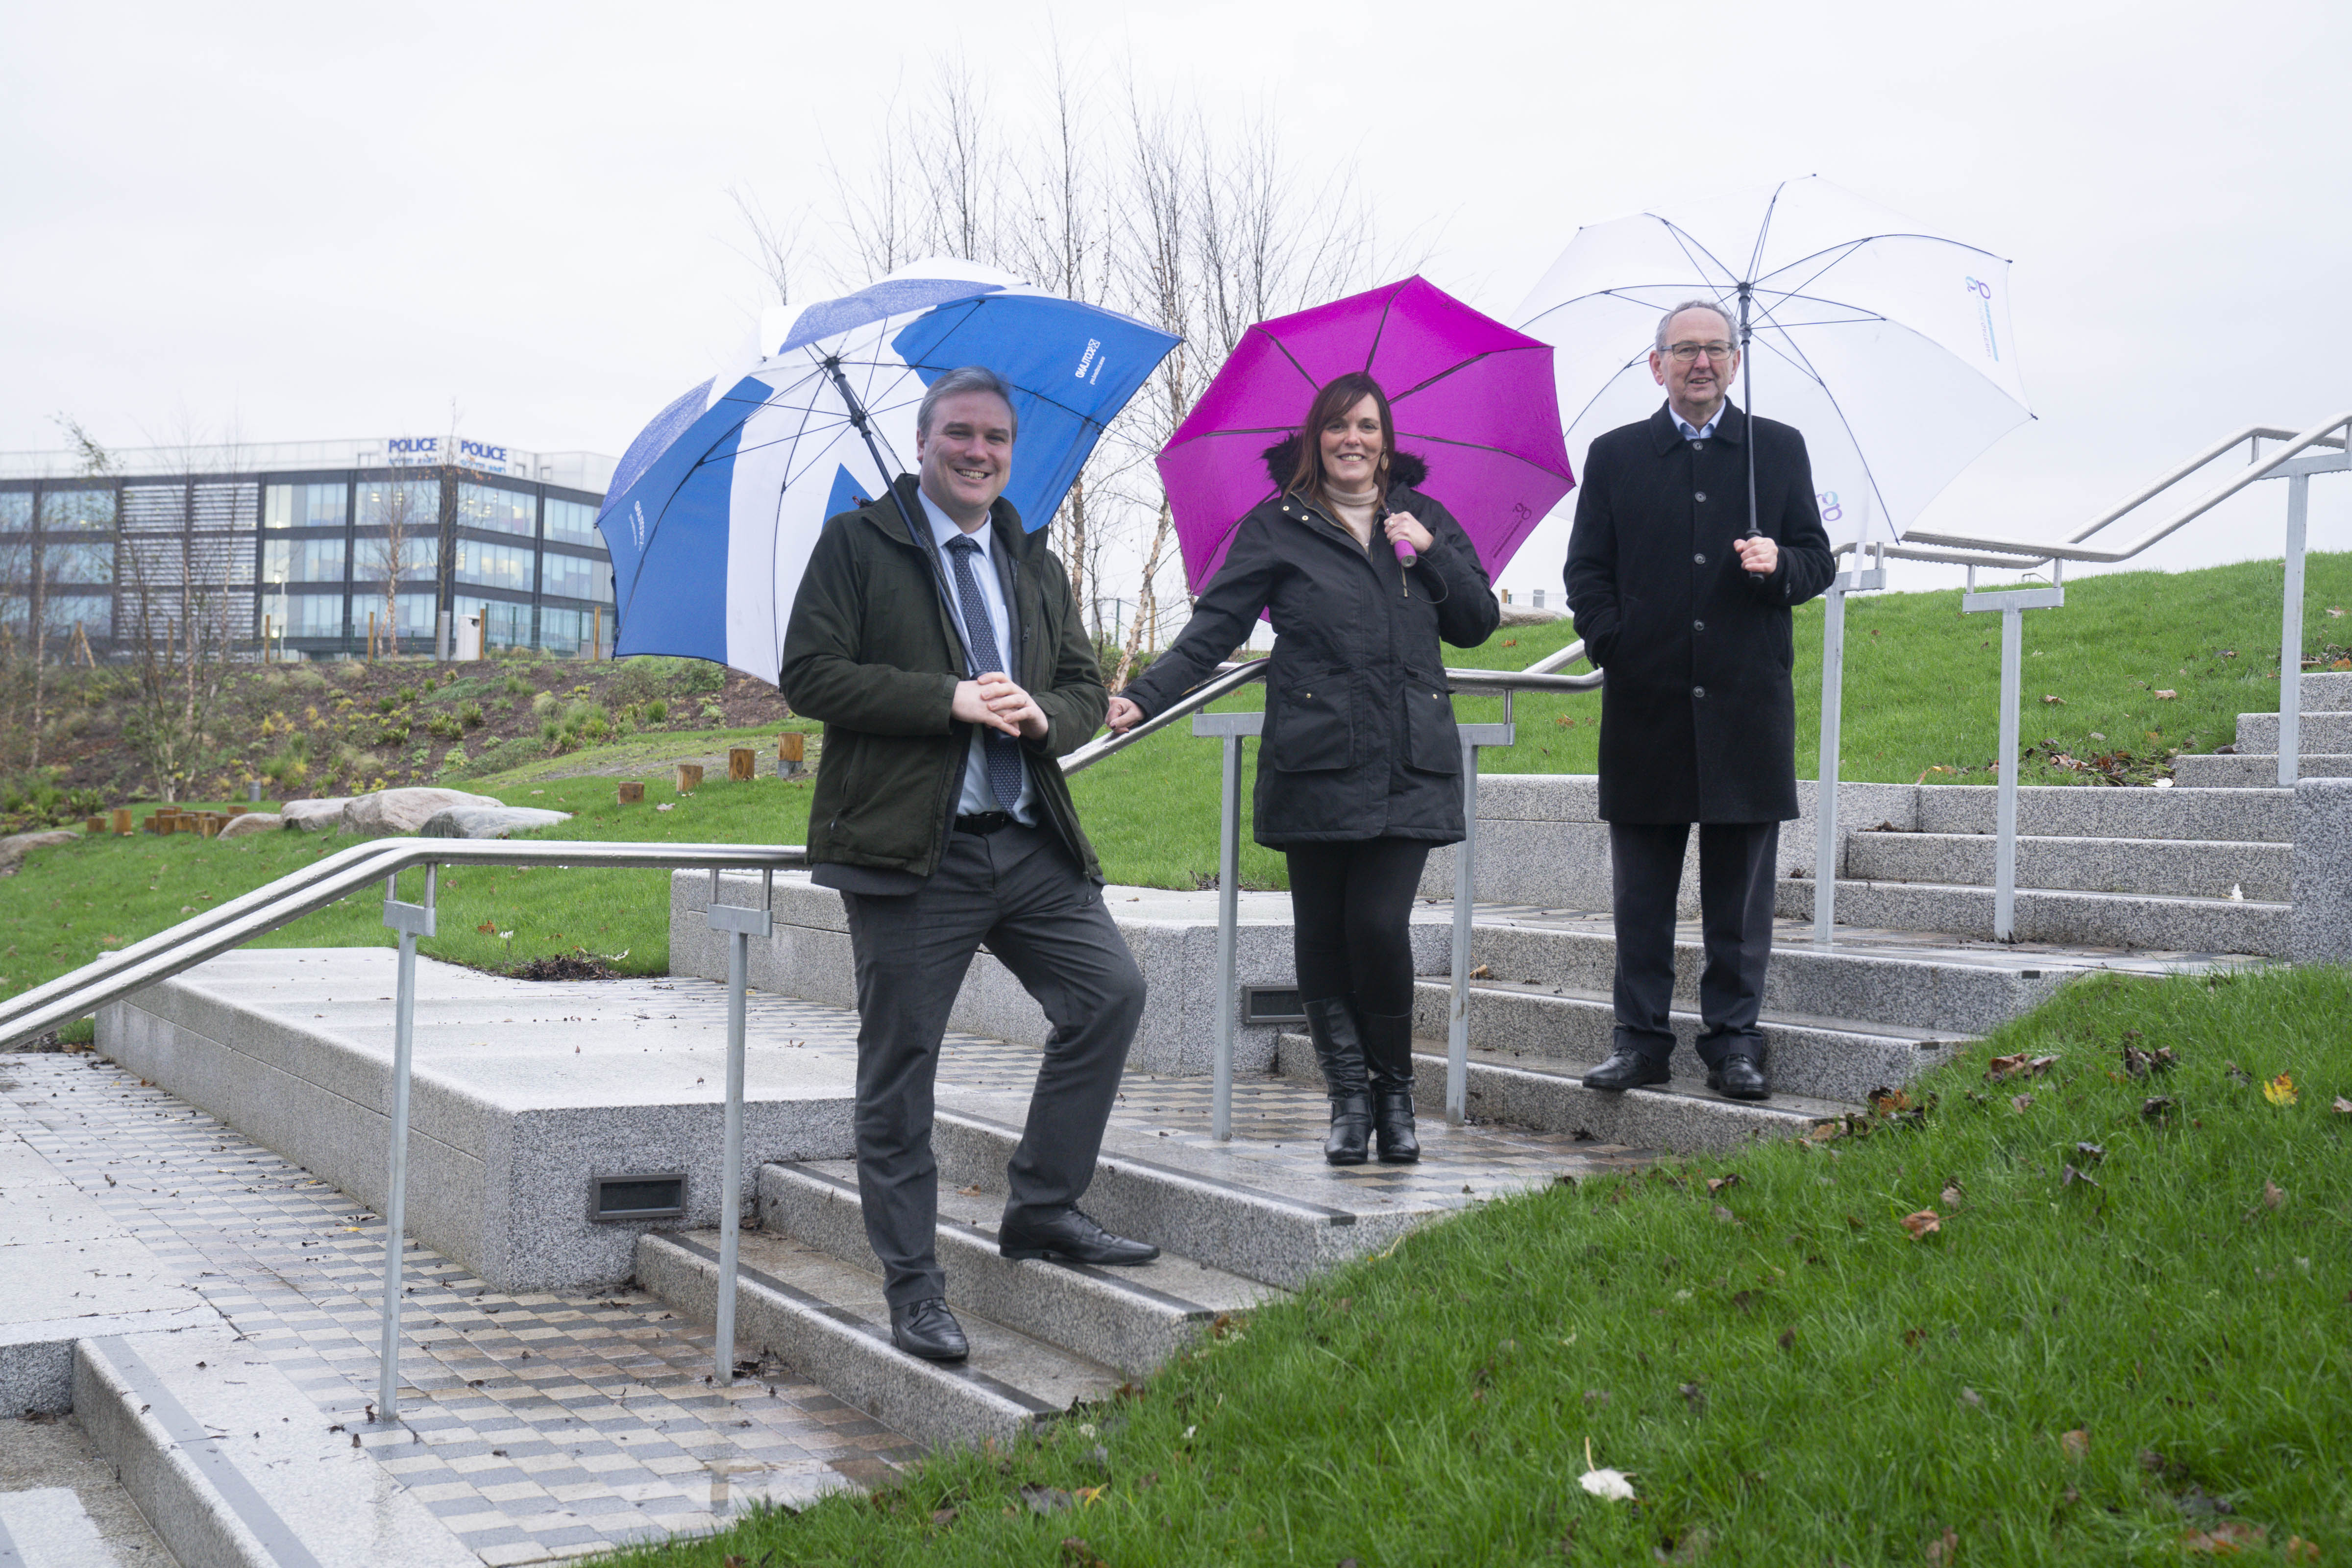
[
  {"x": 1735, "y": 861},
  {"x": 1019, "y": 891}
]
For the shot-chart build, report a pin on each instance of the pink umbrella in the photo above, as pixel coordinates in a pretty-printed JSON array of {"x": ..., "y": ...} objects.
[{"x": 1471, "y": 398}]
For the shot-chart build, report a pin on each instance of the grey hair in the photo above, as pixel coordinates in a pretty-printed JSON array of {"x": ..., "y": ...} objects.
[
  {"x": 965, "y": 378},
  {"x": 1731, "y": 323}
]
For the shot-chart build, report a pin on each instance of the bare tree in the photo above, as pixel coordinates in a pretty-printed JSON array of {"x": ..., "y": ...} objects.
[{"x": 778, "y": 246}]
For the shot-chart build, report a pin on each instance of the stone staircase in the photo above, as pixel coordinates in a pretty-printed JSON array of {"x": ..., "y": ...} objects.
[{"x": 2327, "y": 742}]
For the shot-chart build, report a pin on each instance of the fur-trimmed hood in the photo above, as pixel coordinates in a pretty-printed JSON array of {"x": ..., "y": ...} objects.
[{"x": 1281, "y": 461}]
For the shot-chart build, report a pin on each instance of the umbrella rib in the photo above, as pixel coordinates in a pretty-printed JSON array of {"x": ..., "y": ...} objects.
[
  {"x": 1278, "y": 343},
  {"x": 1763, "y": 230},
  {"x": 1373, "y": 352},
  {"x": 1463, "y": 365}
]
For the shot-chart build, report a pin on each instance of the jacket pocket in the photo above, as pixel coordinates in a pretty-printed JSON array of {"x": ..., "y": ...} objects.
[
  {"x": 1431, "y": 743},
  {"x": 1313, "y": 725}
]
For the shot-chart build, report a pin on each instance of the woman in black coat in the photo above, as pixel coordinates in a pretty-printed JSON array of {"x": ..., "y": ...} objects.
[{"x": 1360, "y": 767}]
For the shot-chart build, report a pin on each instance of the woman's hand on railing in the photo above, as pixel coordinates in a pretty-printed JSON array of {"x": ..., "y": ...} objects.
[{"x": 1123, "y": 716}]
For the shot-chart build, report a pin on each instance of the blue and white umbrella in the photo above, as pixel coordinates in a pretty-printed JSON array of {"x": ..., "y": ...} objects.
[{"x": 718, "y": 502}]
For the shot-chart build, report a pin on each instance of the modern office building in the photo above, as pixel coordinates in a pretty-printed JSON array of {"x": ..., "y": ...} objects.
[{"x": 318, "y": 546}]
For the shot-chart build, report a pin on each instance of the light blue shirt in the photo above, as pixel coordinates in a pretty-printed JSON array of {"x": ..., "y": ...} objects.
[
  {"x": 1703, "y": 431},
  {"x": 977, "y": 795}
]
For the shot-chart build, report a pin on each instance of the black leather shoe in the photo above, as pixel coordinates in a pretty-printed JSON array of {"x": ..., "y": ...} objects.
[
  {"x": 1339, "y": 1051},
  {"x": 1072, "y": 1237},
  {"x": 929, "y": 1330},
  {"x": 1740, "y": 1076},
  {"x": 1387, "y": 1068},
  {"x": 1626, "y": 1069}
]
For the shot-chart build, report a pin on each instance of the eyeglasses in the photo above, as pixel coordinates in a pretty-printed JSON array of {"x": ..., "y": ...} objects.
[{"x": 1685, "y": 353}]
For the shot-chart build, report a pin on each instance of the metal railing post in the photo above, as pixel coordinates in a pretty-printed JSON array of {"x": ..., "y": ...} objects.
[
  {"x": 2004, "y": 872},
  {"x": 1231, "y": 729},
  {"x": 1466, "y": 892},
  {"x": 2290, "y": 736},
  {"x": 411, "y": 921},
  {"x": 740, "y": 925},
  {"x": 1825, "y": 789}
]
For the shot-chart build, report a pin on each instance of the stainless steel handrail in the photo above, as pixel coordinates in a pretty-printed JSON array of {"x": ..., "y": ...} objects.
[{"x": 297, "y": 894}]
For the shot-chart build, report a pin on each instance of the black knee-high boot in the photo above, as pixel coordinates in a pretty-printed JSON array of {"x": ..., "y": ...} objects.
[
  {"x": 1388, "y": 1059},
  {"x": 1331, "y": 1023}
]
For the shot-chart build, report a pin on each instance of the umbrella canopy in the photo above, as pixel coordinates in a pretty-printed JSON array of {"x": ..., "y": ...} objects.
[
  {"x": 1469, "y": 395},
  {"x": 716, "y": 503},
  {"x": 1886, "y": 343}
]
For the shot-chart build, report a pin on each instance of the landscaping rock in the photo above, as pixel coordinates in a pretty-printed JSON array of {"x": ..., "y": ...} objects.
[
  {"x": 314, "y": 816},
  {"x": 405, "y": 810},
  {"x": 488, "y": 821},
  {"x": 248, "y": 823},
  {"x": 12, "y": 848}
]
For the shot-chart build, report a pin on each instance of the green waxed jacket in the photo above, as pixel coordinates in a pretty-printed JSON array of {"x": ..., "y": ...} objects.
[{"x": 873, "y": 652}]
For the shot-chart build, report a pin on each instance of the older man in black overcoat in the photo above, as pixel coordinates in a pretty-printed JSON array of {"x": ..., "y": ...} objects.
[{"x": 1689, "y": 618}]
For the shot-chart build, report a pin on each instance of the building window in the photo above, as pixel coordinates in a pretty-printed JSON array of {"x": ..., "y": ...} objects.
[
  {"x": 64, "y": 563},
  {"x": 302, "y": 506},
  {"x": 565, "y": 632},
  {"x": 302, "y": 561},
  {"x": 573, "y": 576},
  {"x": 16, "y": 512},
  {"x": 507, "y": 512},
  {"x": 494, "y": 566},
  {"x": 412, "y": 506},
  {"x": 306, "y": 614},
  {"x": 419, "y": 557},
  {"x": 572, "y": 522},
  {"x": 60, "y": 612},
  {"x": 64, "y": 511},
  {"x": 504, "y": 623}
]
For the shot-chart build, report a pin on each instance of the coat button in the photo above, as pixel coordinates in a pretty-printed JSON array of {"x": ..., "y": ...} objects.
[
  {"x": 1698, "y": 445},
  {"x": 1698, "y": 626},
  {"x": 1700, "y": 559},
  {"x": 1698, "y": 692},
  {"x": 1699, "y": 496}
]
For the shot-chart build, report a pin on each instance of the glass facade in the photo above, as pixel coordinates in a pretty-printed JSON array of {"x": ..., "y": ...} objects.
[
  {"x": 572, "y": 522},
  {"x": 411, "y": 505},
  {"x": 575, "y": 577},
  {"x": 419, "y": 558},
  {"x": 84, "y": 512},
  {"x": 15, "y": 512},
  {"x": 494, "y": 566},
  {"x": 303, "y": 506},
  {"x": 305, "y": 615},
  {"x": 71, "y": 562},
  {"x": 566, "y": 632},
  {"x": 500, "y": 510},
  {"x": 504, "y": 623},
  {"x": 302, "y": 561}
]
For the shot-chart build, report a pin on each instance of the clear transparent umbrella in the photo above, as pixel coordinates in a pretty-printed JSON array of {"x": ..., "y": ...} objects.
[{"x": 1885, "y": 342}]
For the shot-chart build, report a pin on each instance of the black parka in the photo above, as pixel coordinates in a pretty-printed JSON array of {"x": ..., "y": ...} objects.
[
  {"x": 872, "y": 650},
  {"x": 1698, "y": 714},
  {"x": 1360, "y": 740}
]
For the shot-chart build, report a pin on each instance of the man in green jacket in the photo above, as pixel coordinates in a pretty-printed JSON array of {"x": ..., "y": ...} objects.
[{"x": 942, "y": 646}]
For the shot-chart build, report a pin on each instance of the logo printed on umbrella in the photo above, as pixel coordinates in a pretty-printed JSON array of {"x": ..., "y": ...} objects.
[
  {"x": 637, "y": 523},
  {"x": 1087, "y": 358},
  {"x": 1983, "y": 291},
  {"x": 1830, "y": 510}
]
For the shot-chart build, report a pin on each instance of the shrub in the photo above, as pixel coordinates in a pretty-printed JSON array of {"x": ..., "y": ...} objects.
[
  {"x": 443, "y": 727},
  {"x": 657, "y": 711},
  {"x": 470, "y": 715},
  {"x": 516, "y": 685}
]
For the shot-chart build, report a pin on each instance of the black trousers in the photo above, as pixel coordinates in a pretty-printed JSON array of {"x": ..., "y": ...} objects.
[
  {"x": 1351, "y": 920},
  {"x": 1020, "y": 892},
  {"x": 1736, "y": 860}
]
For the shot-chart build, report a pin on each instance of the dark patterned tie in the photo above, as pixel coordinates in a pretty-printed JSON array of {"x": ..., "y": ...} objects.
[{"x": 1002, "y": 752}]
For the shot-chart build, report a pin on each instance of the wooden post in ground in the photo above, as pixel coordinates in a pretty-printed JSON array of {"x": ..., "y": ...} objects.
[
  {"x": 94, "y": 826},
  {"x": 265, "y": 639},
  {"x": 689, "y": 777},
  {"x": 597, "y": 636},
  {"x": 742, "y": 765},
  {"x": 791, "y": 751},
  {"x": 633, "y": 793},
  {"x": 122, "y": 821}
]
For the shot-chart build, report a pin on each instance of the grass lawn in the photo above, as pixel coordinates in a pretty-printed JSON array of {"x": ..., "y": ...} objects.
[
  {"x": 1921, "y": 692},
  {"x": 2129, "y": 1336}
]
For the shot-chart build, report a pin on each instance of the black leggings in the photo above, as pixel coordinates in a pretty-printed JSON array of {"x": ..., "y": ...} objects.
[{"x": 1351, "y": 908}]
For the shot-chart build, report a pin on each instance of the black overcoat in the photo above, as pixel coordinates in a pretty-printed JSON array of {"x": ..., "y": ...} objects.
[
  {"x": 1697, "y": 716},
  {"x": 1360, "y": 740}
]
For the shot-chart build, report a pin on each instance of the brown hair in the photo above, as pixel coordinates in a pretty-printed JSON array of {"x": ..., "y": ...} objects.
[{"x": 1339, "y": 394}]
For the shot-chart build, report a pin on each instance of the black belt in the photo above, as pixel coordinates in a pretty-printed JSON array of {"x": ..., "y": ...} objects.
[{"x": 984, "y": 822}]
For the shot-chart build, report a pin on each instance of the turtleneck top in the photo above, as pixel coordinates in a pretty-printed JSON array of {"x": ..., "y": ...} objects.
[{"x": 1358, "y": 510}]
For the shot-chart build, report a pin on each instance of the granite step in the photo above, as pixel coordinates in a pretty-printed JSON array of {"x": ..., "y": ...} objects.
[
  {"x": 1257, "y": 1233},
  {"x": 2255, "y": 770},
  {"x": 2315, "y": 731},
  {"x": 1548, "y": 1095},
  {"x": 827, "y": 1320},
  {"x": 1834, "y": 1058},
  {"x": 2167, "y": 866},
  {"x": 2210, "y": 926},
  {"x": 2327, "y": 690},
  {"x": 1951, "y": 992},
  {"x": 2086, "y": 811},
  {"x": 1129, "y": 1319}
]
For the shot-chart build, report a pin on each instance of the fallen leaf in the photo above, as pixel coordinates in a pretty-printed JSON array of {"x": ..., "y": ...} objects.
[
  {"x": 2281, "y": 1090},
  {"x": 1973, "y": 1399},
  {"x": 488, "y": 928},
  {"x": 1911, "y": 1338},
  {"x": 1717, "y": 1183},
  {"x": 1950, "y": 1195},
  {"x": 1615, "y": 1485},
  {"x": 2166, "y": 695},
  {"x": 2273, "y": 1195},
  {"x": 2157, "y": 1107},
  {"x": 1944, "y": 1548},
  {"x": 971, "y": 1192},
  {"x": 2227, "y": 1539},
  {"x": 1484, "y": 971},
  {"x": 2076, "y": 1445},
  {"x": 2091, "y": 1151},
  {"x": 1922, "y": 1224},
  {"x": 2235, "y": 1074},
  {"x": 1788, "y": 1339},
  {"x": 1079, "y": 1554},
  {"x": 2068, "y": 1177},
  {"x": 2342, "y": 1106},
  {"x": 2298, "y": 1550},
  {"x": 2000, "y": 1067},
  {"x": 1694, "y": 1396},
  {"x": 1725, "y": 1217},
  {"x": 1046, "y": 1499},
  {"x": 2021, "y": 1103},
  {"x": 942, "y": 1517}
]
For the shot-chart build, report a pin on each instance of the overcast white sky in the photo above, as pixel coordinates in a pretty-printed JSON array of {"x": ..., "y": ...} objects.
[{"x": 308, "y": 222}]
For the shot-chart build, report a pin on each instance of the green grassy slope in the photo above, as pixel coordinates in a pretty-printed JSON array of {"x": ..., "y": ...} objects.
[{"x": 2066, "y": 1370}]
